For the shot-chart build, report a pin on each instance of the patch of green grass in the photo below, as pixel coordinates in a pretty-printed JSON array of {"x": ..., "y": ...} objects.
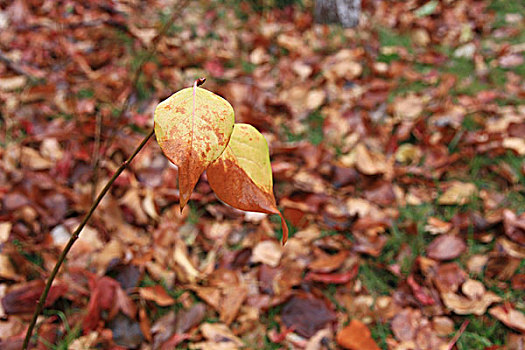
[
  {"x": 270, "y": 318},
  {"x": 462, "y": 67},
  {"x": 393, "y": 246},
  {"x": 314, "y": 123},
  {"x": 482, "y": 332},
  {"x": 269, "y": 345},
  {"x": 516, "y": 202},
  {"x": 475, "y": 87},
  {"x": 32, "y": 257},
  {"x": 516, "y": 163},
  {"x": 388, "y": 58},
  {"x": 329, "y": 292},
  {"x": 503, "y": 7},
  {"x": 387, "y": 37},
  {"x": 212, "y": 319},
  {"x": 378, "y": 281},
  {"x": 405, "y": 87},
  {"x": 481, "y": 162},
  {"x": 381, "y": 332},
  {"x": 85, "y": 93},
  {"x": 470, "y": 123},
  {"x": 248, "y": 67},
  {"x": 195, "y": 213},
  {"x": 70, "y": 333},
  {"x": 497, "y": 76},
  {"x": 315, "y": 126},
  {"x": 507, "y": 293}
]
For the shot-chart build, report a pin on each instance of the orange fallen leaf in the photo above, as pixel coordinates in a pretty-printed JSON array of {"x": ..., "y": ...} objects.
[
  {"x": 356, "y": 336},
  {"x": 156, "y": 294},
  {"x": 242, "y": 175}
]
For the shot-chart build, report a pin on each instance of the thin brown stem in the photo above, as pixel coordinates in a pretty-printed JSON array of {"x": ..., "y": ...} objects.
[
  {"x": 96, "y": 153},
  {"x": 74, "y": 237}
]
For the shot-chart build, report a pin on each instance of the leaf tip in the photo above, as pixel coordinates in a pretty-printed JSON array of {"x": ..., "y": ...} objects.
[
  {"x": 183, "y": 200},
  {"x": 285, "y": 229}
]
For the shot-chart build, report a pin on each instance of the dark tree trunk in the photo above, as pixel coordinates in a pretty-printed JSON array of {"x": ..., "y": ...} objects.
[{"x": 345, "y": 12}]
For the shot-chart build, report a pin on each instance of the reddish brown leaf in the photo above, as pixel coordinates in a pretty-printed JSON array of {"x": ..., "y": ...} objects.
[
  {"x": 514, "y": 226},
  {"x": 446, "y": 247},
  {"x": 306, "y": 315}
]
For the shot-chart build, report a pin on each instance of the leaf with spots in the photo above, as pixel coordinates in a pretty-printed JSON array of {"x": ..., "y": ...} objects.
[
  {"x": 193, "y": 127},
  {"x": 242, "y": 175}
]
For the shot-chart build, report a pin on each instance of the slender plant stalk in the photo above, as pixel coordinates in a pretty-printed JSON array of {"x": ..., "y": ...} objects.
[{"x": 74, "y": 237}]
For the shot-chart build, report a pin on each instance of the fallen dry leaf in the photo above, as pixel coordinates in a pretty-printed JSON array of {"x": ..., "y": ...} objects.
[
  {"x": 368, "y": 162},
  {"x": 7, "y": 271},
  {"x": 327, "y": 263},
  {"x": 509, "y": 316},
  {"x": 458, "y": 193},
  {"x": 514, "y": 226},
  {"x": 466, "y": 306},
  {"x": 267, "y": 252},
  {"x": 409, "y": 107},
  {"x": 221, "y": 335},
  {"x": 5, "y": 230},
  {"x": 306, "y": 315},
  {"x": 356, "y": 336},
  {"x": 156, "y": 294},
  {"x": 446, "y": 247}
]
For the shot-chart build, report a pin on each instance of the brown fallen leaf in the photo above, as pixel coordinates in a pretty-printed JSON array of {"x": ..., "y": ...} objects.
[
  {"x": 219, "y": 336},
  {"x": 446, "y": 247},
  {"x": 356, "y": 336},
  {"x": 23, "y": 298},
  {"x": 267, "y": 252},
  {"x": 459, "y": 193},
  {"x": 514, "y": 226},
  {"x": 436, "y": 226},
  {"x": 327, "y": 263},
  {"x": 157, "y": 294},
  {"x": 516, "y": 144},
  {"x": 12, "y": 83},
  {"x": 509, "y": 316},
  {"x": 33, "y": 160},
  {"x": 409, "y": 107},
  {"x": 5, "y": 230},
  {"x": 415, "y": 331},
  {"x": 368, "y": 162},
  {"x": 7, "y": 271},
  {"x": 306, "y": 314},
  {"x": 465, "y": 306}
]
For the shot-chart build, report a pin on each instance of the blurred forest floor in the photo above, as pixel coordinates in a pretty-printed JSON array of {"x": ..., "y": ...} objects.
[{"x": 397, "y": 151}]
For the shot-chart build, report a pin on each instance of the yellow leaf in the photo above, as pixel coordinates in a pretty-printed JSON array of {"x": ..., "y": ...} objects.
[
  {"x": 242, "y": 175},
  {"x": 193, "y": 127}
]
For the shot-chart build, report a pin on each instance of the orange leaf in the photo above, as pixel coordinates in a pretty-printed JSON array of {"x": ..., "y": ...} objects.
[
  {"x": 157, "y": 294},
  {"x": 193, "y": 127},
  {"x": 356, "y": 336},
  {"x": 242, "y": 175}
]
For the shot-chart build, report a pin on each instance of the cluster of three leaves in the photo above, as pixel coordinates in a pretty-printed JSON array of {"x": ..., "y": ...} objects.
[{"x": 196, "y": 130}]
